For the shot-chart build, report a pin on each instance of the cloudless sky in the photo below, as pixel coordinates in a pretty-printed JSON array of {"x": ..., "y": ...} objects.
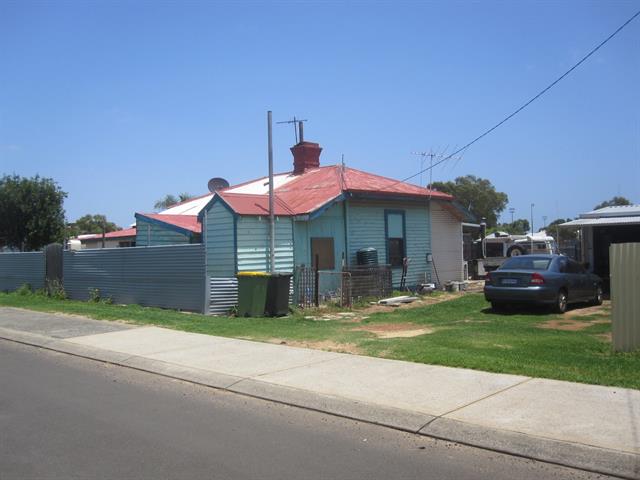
[{"x": 124, "y": 102}]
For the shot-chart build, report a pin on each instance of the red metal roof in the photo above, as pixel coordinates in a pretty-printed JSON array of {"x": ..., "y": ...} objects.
[
  {"x": 315, "y": 188},
  {"x": 246, "y": 204},
  {"x": 125, "y": 232},
  {"x": 188, "y": 222}
]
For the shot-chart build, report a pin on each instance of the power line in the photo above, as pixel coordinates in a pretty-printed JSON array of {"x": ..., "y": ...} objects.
[{"x": 542, "y": 92}]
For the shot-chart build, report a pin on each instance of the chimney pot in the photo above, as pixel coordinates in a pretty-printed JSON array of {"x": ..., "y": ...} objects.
[{"x": 306, "y": 155}]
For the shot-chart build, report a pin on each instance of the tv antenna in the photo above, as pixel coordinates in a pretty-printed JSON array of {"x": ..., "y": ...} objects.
[
  {"x": 424, "y": 156},
  {"x": 431, "y": 155},
  {"x": 297, "y": 127}
]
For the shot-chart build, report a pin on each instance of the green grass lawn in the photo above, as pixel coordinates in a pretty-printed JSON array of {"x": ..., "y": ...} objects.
[{"x": 463, "y": 332}]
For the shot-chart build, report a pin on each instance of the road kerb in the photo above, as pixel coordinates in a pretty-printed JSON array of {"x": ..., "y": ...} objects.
[
  {"x": 584, "y": 457},
  {"x": 343, "y": 407}
]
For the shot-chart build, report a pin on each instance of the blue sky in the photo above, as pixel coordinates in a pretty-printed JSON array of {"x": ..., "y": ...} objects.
[{"x": 123, "y": 102}]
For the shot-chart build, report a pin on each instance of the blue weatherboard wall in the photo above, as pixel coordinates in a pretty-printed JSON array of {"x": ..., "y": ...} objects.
[
  {"x": 219, "y": 233},
  {"x": 159, "y": 234},
  {"x": 366, "y": 228},
  {"x": 252, "y": 240},
  {"x": 329, "y": 224}
]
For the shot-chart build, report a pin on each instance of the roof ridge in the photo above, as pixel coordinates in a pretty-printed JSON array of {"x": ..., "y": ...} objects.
[
  {"x": 301, "y": 176},
  {"x": 396, "y": 182}
]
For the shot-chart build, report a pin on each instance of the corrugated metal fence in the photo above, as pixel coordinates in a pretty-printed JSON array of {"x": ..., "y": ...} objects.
[
  {"x": 222, "y": 295},
  {"x": 17, "y": 269},
  {"x": 165, "y": 276},
  {"x": 624, "y": 264}
]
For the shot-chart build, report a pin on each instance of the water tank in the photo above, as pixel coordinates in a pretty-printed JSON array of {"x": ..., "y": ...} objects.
[{"x": 367, "y": 256}]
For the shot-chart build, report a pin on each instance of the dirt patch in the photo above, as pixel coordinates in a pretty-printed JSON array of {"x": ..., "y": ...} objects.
[
  {"x": 575, "y": 320},
  {"x": 422, "y": 302},
  {"x": 359, "y": 315},
  {"x": 326, "y": 345},
  {"x": 570, "y": 324},
  {"x": 604, "y": 336},
  {"x": 603, "y": 310},
  {"x": 396, "y": 330}
]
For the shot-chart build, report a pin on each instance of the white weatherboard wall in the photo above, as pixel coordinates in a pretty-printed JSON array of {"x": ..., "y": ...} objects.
[
  {"x": 446, "y": 238},
  {"x": 253, "y": 244}
]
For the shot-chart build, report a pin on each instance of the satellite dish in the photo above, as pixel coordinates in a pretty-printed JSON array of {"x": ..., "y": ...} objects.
[{"x": 217, "y": 183}]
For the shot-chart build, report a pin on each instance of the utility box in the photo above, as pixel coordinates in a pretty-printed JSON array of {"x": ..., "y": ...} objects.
[{"x": 624, "y": 264}]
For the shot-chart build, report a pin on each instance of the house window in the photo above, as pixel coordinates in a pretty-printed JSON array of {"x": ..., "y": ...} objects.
[
  {"x": 322, "y": 249},
  {"x": 395, "y": 233}
]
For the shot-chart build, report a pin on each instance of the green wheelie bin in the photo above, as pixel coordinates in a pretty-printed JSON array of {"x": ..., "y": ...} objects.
[{"x": 252, "y": 293}]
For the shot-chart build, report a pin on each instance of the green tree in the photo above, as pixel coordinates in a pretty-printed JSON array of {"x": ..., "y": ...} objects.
[
  {"x": 31, "y": 212},
  {"x": 517, "y": 227},
  {"x": 170, "y": 200},
  {"x": 562, "y": 234},
  {"x": 90, "y": 224},
  {"x": 614, "y": 202},
  {"x": 478, "y": 195}
]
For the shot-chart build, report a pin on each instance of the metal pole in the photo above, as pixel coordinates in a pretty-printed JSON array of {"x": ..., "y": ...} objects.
[
  {"x": 272, "y": 223},
  {"x": 531, "y": 251},
  {"x": 316, "y": 282}
]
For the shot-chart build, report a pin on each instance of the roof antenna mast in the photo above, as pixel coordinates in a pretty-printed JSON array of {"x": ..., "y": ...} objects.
[
  {"x": 297, "y": 128},
  {"x": 431, "y": 156}
]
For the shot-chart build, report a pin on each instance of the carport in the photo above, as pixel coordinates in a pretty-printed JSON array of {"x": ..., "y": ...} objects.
[{"x": 603, "y": 227}]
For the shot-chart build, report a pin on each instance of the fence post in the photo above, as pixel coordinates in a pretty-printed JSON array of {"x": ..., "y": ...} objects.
[
  {"x": 316, "y": 286},
  {"x": 53, "y": 267}
]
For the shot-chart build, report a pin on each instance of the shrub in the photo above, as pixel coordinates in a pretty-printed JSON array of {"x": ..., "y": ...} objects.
[
  {"x": 25, "y": 289},
  {"x": 107, "y": 300},
  {"x": 56, "y": 290},
  {"x": 94, "y": 295}
]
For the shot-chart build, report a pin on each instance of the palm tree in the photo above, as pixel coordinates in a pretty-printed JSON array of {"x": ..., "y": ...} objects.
[{"x": 170, "y": 200}]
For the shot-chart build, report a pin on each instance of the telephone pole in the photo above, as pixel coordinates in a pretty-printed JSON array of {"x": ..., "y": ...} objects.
[{"x": 272, "y": 222}]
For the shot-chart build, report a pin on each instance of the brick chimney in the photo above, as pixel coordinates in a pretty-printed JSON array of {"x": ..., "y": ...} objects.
[{"x": 306, "y": 155}]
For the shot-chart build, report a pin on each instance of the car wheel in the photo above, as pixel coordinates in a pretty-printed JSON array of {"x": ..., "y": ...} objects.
[
  {"x": 515, "y": 252},
  {"x": 598, "y": 298},
  {"x": 497, "y": 306},
  {"x": 561, "y": 302}
]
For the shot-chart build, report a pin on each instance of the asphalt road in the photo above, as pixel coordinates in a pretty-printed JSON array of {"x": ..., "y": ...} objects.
[{"x": 68, "y": 417}]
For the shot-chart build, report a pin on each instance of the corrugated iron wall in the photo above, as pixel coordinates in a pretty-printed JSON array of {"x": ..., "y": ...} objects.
[
  {"x": 170, "y": 276},
  {"x": 17, "y": 269},
  {"x": 223, "y": 295},
  {"x": 624, "y": 264}
]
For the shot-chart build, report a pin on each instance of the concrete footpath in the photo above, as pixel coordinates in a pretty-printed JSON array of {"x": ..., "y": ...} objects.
[{"x": 584, "y": 426}]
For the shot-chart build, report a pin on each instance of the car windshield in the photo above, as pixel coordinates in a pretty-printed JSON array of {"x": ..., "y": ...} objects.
[{"x": 525, "y": 262}]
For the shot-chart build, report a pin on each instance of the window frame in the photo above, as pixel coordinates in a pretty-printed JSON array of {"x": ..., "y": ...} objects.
[{"x": 402, "y": 213}]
